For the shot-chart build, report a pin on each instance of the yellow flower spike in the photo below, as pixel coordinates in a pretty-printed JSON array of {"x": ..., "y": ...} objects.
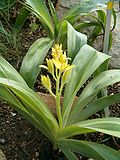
[
  {"x": 50, "y": 66},
  {"x": 46, "y": 82}
]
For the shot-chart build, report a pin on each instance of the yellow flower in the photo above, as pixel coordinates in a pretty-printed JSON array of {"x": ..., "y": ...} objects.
[
  {"x": 50, "y": 66},
  {"x": 59, "y": 65},
  {"x": 63, "y": 58},
  {"x": 62, "y": 63},
  {"x": 57, "y": 51},
  {"x": 46, "y": 82}
]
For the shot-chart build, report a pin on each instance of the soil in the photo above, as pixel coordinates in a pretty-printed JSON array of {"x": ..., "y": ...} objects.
[{"x": 19, "y": 140}]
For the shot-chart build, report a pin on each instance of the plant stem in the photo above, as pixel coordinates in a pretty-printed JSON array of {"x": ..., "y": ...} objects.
[
  {"x": 58, "y": 108},
  {"x": 106, "y": 44},
  {"x": 52, "y": 93}
]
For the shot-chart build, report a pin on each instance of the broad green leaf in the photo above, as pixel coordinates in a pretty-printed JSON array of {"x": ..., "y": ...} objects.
[
  {"x": 98, "y": 105},
  {"x": 90, "y": 149},
  {"x": 109, "y": 126},
  {"x": 7, "y": 71},
  {"x": 75, "y": 41},
  {"x": 95, "y": 86},
  {"x": 34, "y": 105},
  {"x": 39, "y": 8},
  {"x": 86, "y": 62},
  {"x": 34, "y": 57},
  {"x": 62, "y": 34}
]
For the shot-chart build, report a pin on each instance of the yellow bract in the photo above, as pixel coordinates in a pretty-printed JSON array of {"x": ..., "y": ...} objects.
[
  {"x": 61, "y": 62},
  {"x": 50, "y": 66},
  {"x": 46, "y": 82},
  {"x": 57, "y": 51}
]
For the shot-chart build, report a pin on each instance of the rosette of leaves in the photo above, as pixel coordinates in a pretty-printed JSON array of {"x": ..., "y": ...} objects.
[{"x": 75, "y": 118}]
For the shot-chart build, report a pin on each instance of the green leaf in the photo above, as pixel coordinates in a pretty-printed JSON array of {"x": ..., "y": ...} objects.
[
  {"x": 98, "y": 105},
  {"x": 39, "y": 8},
  {"x": 34, "y": 57},
  {"x": 86, "y": 24},
  {"x": 86, "y": 62},
  {"x": 68, "y": 153},
  {"x": 21, "y": 18},
  {"x": 97, "y": 29},
  {"x": 72, "y": 19},
  {"x": 110, "y": 41},
  {"x": 95, "y": 86},
  {"x": 114, "y": 18},
  {"x": 34, "y": 105},
  {"x": 90, "y": 149},
  {"x": 109, "y": 126},
  {"x": 53, "y": 13},
  {"x": 7, "y": 71},
  {"x": 81, "y": 9},
  {"x": 8, "y": 96},
  {"x": 62, "y": 34},
  {"x": 75, "y": 41}
]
